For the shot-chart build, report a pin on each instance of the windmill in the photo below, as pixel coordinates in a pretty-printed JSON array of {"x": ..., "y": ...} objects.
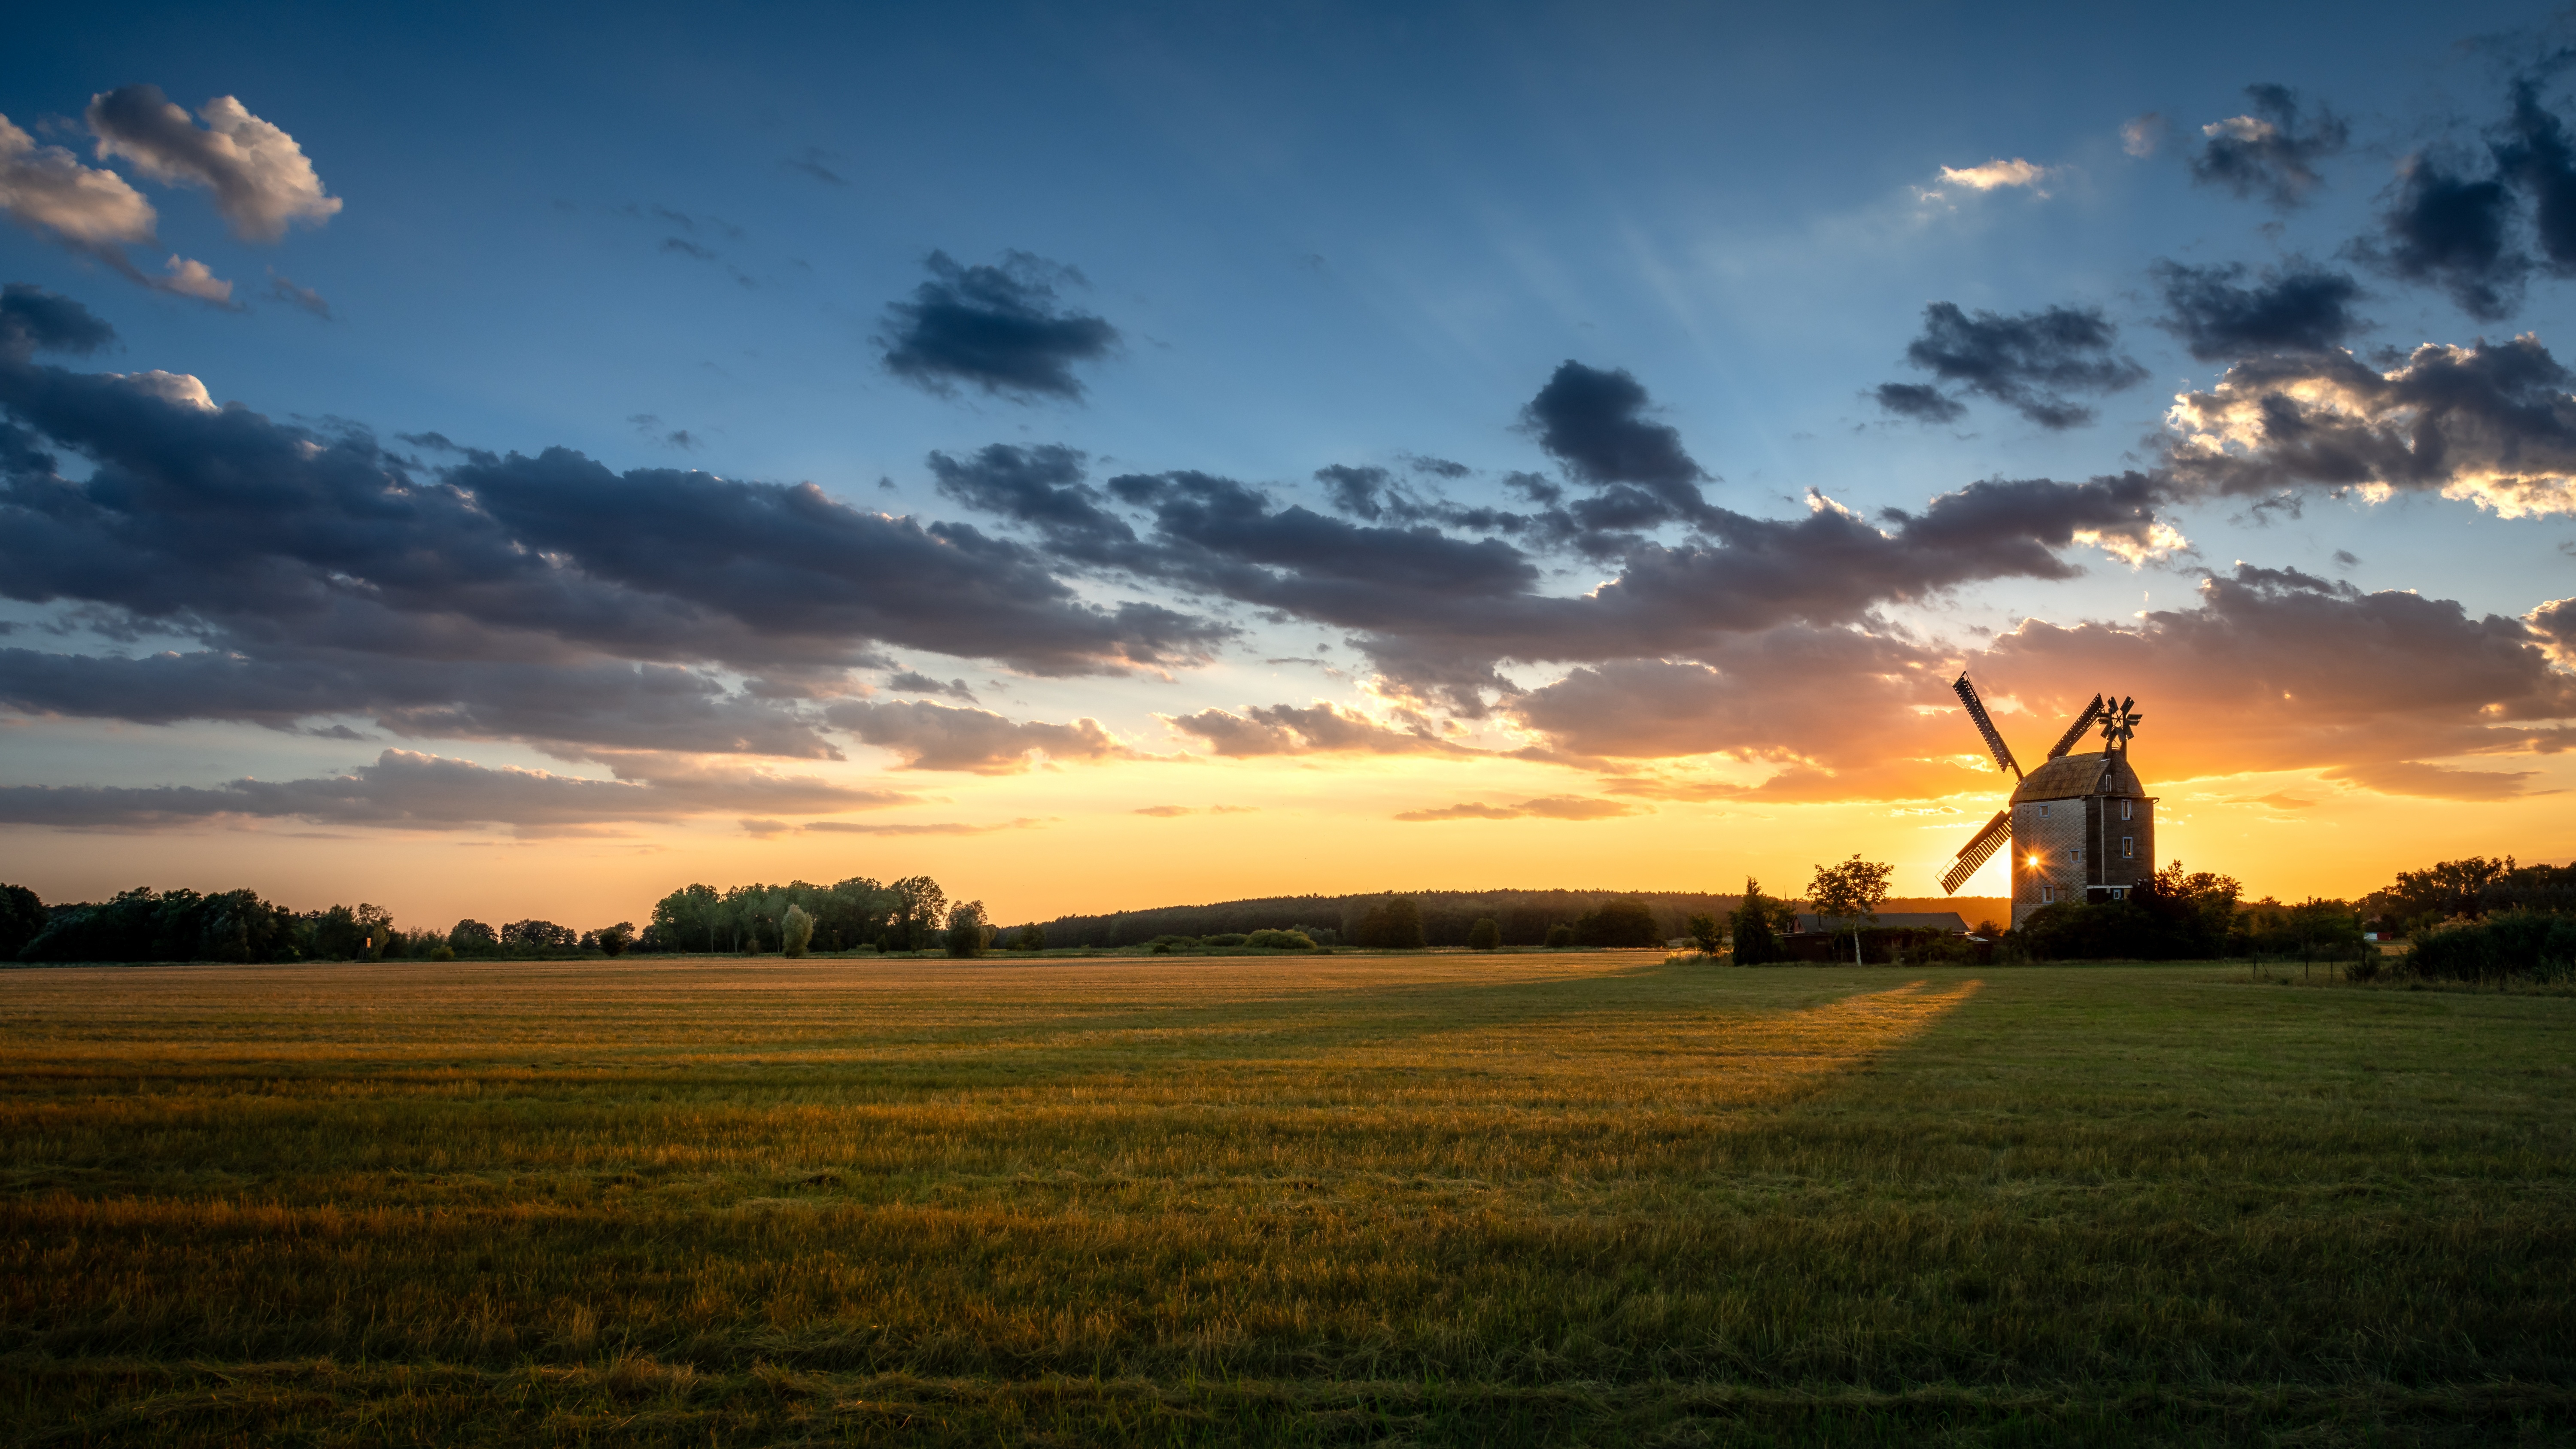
[{"x": 1998, "y": 832}]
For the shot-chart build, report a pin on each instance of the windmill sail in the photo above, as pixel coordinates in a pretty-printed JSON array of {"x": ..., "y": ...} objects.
[
  {"x": 2076, "y": 731},
  {"x": 1981, "y": 847},
  {"x": 1986, "y": 726}
]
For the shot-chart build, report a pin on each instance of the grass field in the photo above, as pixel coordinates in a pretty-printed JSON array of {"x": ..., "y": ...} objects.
[{"x": 1444, "y": 1199}]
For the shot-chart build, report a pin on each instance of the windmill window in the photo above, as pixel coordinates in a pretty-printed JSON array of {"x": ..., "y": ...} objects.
[
  {"x": 2079, "y": 855},
  {"x": 2128, "y": 847},
  {"x": 2124, "y": 809},
  {"x": 2047, "y": 895},
  {"x": 2118, "y": 894},
  {"x": 2043, "y": 812}
]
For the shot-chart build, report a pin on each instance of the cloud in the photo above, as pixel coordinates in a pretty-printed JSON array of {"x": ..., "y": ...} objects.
[
  {"x": 997, "y": 328},
  {"x": 404, "y": 790},
  {"x": 2555, "y": 622},
  {"x": 1922, "y": 403},
  {"x": 929, "y": 736},
  {"x": 2142, "y": 135},
  {"x": 907, "y": 682},
  {"x": 187, "y": 278},
  {"x": 569, "y": 708},
  {"x": 942, "y": 827},
  {"x": 2271, "y": 151},
  {"x": 1594, "y": 422},
  {"x": 1355, "y": 491},
  {"x": 812, "y": 164},
  {"x": 33, "y": 319},
  {"x": 323, "y": 575},
  {"x": 2492, "y": 424},
  {"x": 2028, "y": 362},
  {"x": 1164, "y": 812},
  {"x": 2271, "y": 671},
  {"x": 2275, "y": 670},
  {"x": 1043, "y": 488},
  {"x": 2295, "y": 308},
  {"x": 1996, "y": 175},
  {"x": 47, "y": 190},
  {"x": 1319, "y": 728},
  {"x": 1549, "y": 807},
  {"x": 284, "y": 289},
  {"x": 2534, "y": 153},
  {"x": 260, "y": 177},
  {"x": 2449, "y": 230},
  {"x": 2436, "y": 782}
]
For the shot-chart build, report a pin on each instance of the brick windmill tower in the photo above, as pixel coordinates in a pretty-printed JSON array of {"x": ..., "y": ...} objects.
[{"x": 2081, "y": 827}]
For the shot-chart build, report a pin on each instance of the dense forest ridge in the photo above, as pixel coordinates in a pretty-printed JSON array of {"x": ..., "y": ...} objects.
[
  {"x": 1525, "y": 916},
  {"x": 2184, "y": 915}
]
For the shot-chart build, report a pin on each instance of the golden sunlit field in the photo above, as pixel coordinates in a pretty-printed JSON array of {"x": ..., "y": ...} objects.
[{"x": 1533, "y": 1198}]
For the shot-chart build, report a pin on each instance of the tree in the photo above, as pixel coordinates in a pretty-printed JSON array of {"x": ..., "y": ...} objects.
[
  {"x": 22, "y": 915},
  {"x": 535, "y": 935},
  {"x": 1703, "y": 931},
  {"x": 1393, "y": 925},
  {"x": 614, "y": 940},
  {"x": 795, "y": 931},
  {"x": 967, "y": 929},
  {"x": 687, "y": 919},
  {"x": 1560, "y": 936},
  {"x": 1031, "y": 938},
  {"x": 919, "y": 904},
  {"x": 1626, "y": 921},
  {"x": 1750, "y": 924},
  {"x": 473, "y": 938},
  {"x": 1850, "y": 892},
  {"x": 1485, "y": 935}
]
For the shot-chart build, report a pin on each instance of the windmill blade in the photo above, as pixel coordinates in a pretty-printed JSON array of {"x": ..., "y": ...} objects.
[
  {"x": 1985, "y": 726},
  {"x": 1981, "y": 847},
  {"x": 2076, "y": 730}
]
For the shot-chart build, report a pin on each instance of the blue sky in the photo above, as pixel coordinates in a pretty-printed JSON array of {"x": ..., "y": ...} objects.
[{"x": 1322, "y": 236}]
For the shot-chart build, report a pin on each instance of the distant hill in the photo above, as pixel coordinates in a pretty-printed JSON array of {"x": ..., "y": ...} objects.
[{"x": 1525, "y": 915}]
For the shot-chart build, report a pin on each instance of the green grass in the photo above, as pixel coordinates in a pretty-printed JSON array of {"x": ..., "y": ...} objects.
[{"x": 1531, "y": 1199}]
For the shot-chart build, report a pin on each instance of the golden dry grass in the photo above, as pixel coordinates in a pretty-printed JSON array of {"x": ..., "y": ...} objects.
[{"x": 1528, "y": 1198}]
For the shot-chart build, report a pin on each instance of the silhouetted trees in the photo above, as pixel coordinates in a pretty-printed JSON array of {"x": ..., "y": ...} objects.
[
  {"x": 1626, "y": 921},
  {"x": 1485, "y": 935},
  {"x": 1754, "y": 926},
  {"x": 1392, "y": 925}
]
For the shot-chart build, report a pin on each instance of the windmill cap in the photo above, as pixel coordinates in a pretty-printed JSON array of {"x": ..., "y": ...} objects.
[{"x": 2072, "y": 777}]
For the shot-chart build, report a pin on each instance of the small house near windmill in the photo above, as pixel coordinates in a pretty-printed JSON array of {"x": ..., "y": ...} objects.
[{"x": 2081, "y": 827}]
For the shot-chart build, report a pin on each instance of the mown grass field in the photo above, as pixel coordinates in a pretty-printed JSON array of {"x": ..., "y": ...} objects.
[{"x": 1531, "y": 1199}]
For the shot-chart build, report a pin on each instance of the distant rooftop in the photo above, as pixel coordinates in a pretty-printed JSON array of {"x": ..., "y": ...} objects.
[{"x": 1949, "y": 921}]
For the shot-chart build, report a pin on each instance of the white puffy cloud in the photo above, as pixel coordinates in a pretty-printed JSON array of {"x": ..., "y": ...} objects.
[{"x": 261, "y": 179}]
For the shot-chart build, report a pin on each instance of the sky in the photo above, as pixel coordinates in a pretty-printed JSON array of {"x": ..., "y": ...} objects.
[{"x": 514, "y": 461}]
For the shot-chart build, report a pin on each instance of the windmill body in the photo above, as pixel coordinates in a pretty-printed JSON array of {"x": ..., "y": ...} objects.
[
  {"x": 2083, "y": 829},
  {"x": 2080, "y": 827}
]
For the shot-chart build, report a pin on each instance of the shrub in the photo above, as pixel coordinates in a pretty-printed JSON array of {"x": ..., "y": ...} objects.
[
  {"x": 2535, "y": 944},
  {"x": 1280, "y": 941},
  {"x": 442, "y": 952},
  {"x": 1559, "y": 936},
  {"x": 1030, "y": 938},
  {"x": 1485, "y": 935},
  {"x": 795, "y": 931},
  {"x": 1224, "y": 938}
]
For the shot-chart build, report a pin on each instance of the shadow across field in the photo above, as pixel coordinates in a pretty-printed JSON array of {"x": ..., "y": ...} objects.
[{"x": 1421, "y": 1200}]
